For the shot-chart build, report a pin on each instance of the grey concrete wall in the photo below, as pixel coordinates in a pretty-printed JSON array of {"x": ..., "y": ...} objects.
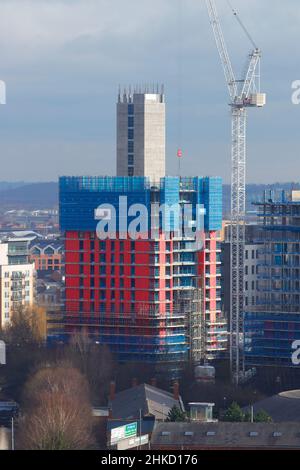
[{"x": 149, "y": 135}]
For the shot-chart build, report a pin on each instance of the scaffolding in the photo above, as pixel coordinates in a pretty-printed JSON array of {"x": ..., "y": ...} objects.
[{"x": 274, "y": 323}]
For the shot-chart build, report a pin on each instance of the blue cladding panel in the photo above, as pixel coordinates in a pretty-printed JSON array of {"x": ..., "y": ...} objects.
[
  {"x": 80, "y": 196},
  {"x": 210, "y": 194},
  {"x": 269, "y": 337},
  {"x": 169, "y": 195}
]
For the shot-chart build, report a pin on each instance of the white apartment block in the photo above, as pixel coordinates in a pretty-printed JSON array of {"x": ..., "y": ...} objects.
[
  {"x": 251, "y": 273},
  {"x": 17, "y": 279}
]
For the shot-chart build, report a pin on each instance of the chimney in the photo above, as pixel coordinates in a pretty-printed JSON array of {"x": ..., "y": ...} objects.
[
  {"x": 112, "y": 390},
  {"x": 153, "y": 382},
  {"x": 176, "y": 391},
  {"x": 134, "y": 382}
]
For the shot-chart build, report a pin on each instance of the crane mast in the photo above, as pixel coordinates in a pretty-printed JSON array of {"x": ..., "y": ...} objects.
[{"x": 243, "y": 94}]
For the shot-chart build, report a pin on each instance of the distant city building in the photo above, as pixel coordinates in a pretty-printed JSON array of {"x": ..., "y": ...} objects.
[
  {"x": 141, "y": 147},
  {"x": 47, "y": 254},
  {"x": 273, "y": 323},
  {"x": 17, "y": 278},
  {"x": 250, "y": 265}
]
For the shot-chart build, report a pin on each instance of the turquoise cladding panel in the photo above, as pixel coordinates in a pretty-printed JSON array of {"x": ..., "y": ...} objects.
[
  {"x": 211, "y": 197},
  {"x": 169, "y": 196}
]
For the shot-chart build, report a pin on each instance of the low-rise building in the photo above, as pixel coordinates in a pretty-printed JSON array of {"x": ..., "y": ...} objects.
[
  {"x": 47, "y": 255},
  {"x": 225, "y": 436},
  {"x": 17, "y": 278}
]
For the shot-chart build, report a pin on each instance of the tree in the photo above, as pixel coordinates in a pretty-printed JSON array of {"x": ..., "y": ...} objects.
[
  {"x": 234, "y": 413},
  {"x": 25, "y": 347},
  {"x": 94, "y": 361},
  {"x": 57, "y": 411},
  {"x": 262, "y": 417},
  {"x": 176, "y": 415},
  {"x": 27, "y": 326}
]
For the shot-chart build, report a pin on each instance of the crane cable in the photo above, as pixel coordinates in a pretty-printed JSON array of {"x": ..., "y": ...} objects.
[
  {"x": 235, "y": 13},
  {"x": 179, "y": 83}
]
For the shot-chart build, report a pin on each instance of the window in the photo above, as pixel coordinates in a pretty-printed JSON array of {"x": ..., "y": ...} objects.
[
  {"x": 102, "y": 270},
  {"x": 130, "y": 171},
  {"x": 130, "y": 160},
  {"x": 130, "y": 110},
  {"x": 130, "y": 134},
  {"x": 130, "y": 147},
  {"x": 130, "y": 121}
]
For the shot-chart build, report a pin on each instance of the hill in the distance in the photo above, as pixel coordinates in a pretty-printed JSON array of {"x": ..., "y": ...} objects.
[
  {"x": 45, "y": 195},
  {"x": 29, "y": 196}
]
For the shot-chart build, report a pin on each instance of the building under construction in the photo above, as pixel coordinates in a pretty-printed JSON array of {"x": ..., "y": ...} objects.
[
  {"x": 154, "y": 298},
  {"x": 272, "y": 326}
]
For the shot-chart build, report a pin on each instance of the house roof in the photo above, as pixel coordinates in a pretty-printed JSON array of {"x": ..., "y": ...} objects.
[
  {"x": 151, "y": 400},
  {"x": 282, "y": 407},
  {"x": 226, "y": 435}
]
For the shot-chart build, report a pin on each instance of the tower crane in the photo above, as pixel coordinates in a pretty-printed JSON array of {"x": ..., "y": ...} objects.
[{"x": 244, "y": 93}]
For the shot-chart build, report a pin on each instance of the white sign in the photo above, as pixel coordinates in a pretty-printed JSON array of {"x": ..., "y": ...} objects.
[
  {"x": 296, "y": 353},
  {"x": 123, "y": 432},
  {"x": 2, "y": 353},
  {"x": 133, "y": 442}
]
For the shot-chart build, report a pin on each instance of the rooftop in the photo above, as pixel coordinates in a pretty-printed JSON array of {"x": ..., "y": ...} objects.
[
  {"x": 282, "y": 407},
  {"x": 223, "y": 435},
  {"x": 151, "y": 400}
]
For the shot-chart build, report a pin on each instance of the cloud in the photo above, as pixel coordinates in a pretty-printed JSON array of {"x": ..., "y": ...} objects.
[{"x": 63, "y": 60}]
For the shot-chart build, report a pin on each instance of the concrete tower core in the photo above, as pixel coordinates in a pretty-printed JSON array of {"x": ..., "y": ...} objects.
[{"x": 141, "y": 134}]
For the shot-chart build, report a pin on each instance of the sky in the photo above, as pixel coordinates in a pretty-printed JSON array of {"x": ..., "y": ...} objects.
[{"x": 63, "y": 61}]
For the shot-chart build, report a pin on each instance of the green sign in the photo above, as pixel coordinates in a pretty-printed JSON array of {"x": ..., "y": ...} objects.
[{"x": 131, "y": 430}]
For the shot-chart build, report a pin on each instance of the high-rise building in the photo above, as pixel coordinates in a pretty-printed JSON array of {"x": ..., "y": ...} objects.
[
  {"x": 17, "y": 278},
  {"x": 273, "y": 323},
  {"x": 153, "y": 299},
  {"x": 141, "y": 149}
]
